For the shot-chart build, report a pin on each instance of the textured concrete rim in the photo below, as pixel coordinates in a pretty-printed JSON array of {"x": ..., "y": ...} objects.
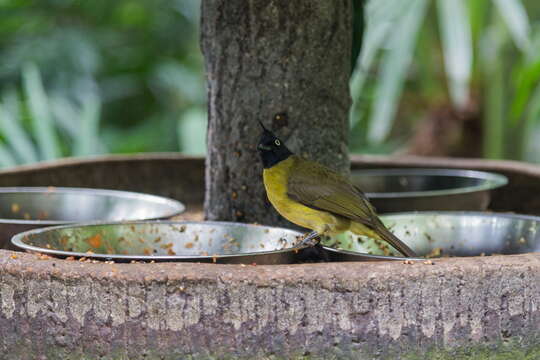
[
  {"x": 340, "y": 310},
  {"x": 52, "y": 308}
]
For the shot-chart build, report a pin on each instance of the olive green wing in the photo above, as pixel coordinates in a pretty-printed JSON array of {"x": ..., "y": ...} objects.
[{"x": 319, "y": 187}]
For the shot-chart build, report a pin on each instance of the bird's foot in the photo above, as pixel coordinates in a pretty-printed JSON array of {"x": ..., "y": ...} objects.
[{"x": 311, "y": 239}]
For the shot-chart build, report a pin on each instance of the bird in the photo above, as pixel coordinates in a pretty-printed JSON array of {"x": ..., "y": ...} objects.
[{"x": 315, "y": 197}]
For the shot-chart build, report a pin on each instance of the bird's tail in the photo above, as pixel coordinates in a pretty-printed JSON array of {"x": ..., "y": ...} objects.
[{"x": 379, "y": 231}]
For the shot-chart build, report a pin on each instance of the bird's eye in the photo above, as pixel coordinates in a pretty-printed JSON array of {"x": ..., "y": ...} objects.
[{"x": 277, "y": 142}]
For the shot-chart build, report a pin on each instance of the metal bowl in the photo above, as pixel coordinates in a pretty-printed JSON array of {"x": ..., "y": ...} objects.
[
  {"x": 25, "y": 208},
  {"x": 440, "y": 234},
  {"x": 397, "y": 190},
  {"x": 221, "y": 242}
]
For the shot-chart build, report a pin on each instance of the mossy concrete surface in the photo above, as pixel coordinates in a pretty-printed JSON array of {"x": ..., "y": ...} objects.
[{"x": 60, "y": 309}]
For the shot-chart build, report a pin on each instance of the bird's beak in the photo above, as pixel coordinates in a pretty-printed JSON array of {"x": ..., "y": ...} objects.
[{"x": 263, "y": 147}]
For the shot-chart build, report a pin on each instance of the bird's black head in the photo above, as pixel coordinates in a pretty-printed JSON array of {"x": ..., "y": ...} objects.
[{"x": 271, "y": 149}]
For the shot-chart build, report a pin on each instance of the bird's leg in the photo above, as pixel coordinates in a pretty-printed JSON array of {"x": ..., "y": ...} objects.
[{"x": 311, "y": 239}]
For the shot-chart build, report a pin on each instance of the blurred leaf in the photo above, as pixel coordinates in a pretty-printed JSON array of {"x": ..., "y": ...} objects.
[
  {"x": 394, "y": 69},
  {"x": 381, "y": 18},
  {"x": 478, "y": 11},
  {"x": 6, "y": 158},
  {"x": 531, "y": 122},
  {"x": 494, "y": 94},
  {"x": 15, "y": 134},
  {"x": 527, "y": 78},
  {"x": 515, "y": 16},
  {"x": 66, "y": 115},
  {"x": 41, "y": 118},
  {"x": 87, "y": 141},
  {"x": 192, "y": 132},
  {"x": 457, "y": 47}
]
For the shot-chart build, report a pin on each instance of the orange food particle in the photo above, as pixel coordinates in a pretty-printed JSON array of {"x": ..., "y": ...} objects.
[
  {"x": 170, "y": 252},
  {"x": 94, "y": 241},
  {"x": 13, "y": 256},
  {"x": 147, "y": 251},
  {"x": 189, "y": 245}
]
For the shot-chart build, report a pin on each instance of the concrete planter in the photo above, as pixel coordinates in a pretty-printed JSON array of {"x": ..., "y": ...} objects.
[{"x": 485, "y": 307}]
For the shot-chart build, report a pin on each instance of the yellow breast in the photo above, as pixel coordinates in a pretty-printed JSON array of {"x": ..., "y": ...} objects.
[{"x": 275, "y": 182}]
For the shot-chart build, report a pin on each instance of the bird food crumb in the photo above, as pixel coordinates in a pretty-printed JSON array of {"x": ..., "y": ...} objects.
[
  {"x": 429, "y": 262},
  {"x": 408, "y": 262},
  {"x": 14, "y": 256}
]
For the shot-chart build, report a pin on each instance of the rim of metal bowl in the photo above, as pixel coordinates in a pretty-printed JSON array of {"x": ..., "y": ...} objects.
[
  {"x": 491, "y": 181},
  {"x": 432, "y": 213},
  {"x": 176, "y": 206},
  {"x": 17, "y": 240}
]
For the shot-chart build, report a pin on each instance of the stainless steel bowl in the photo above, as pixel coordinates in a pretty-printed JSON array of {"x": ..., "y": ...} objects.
[
  {"x": 436, "y": 234},
  {"x": 25, "y": 208},
  {"x": 220, "y": 242},
  {"x": 397, "y": 190}
]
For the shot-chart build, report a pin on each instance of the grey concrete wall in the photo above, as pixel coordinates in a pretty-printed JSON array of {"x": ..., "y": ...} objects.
[{"x": 61, "y": 309}]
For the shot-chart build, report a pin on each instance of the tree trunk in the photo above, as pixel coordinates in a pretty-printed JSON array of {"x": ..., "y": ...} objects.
[{"x": 265, "y": 58}]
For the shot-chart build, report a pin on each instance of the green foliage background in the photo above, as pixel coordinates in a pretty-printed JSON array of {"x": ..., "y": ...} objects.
[
  {"x": 138, "y": 62},
  {"x": 90, "y": 77}
]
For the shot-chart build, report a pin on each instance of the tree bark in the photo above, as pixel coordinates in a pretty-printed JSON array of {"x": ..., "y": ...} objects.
[{"x": 265, "y": 58}]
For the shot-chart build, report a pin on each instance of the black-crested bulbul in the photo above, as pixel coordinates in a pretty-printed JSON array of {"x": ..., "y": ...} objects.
[{"x": 318, "y": 198}]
